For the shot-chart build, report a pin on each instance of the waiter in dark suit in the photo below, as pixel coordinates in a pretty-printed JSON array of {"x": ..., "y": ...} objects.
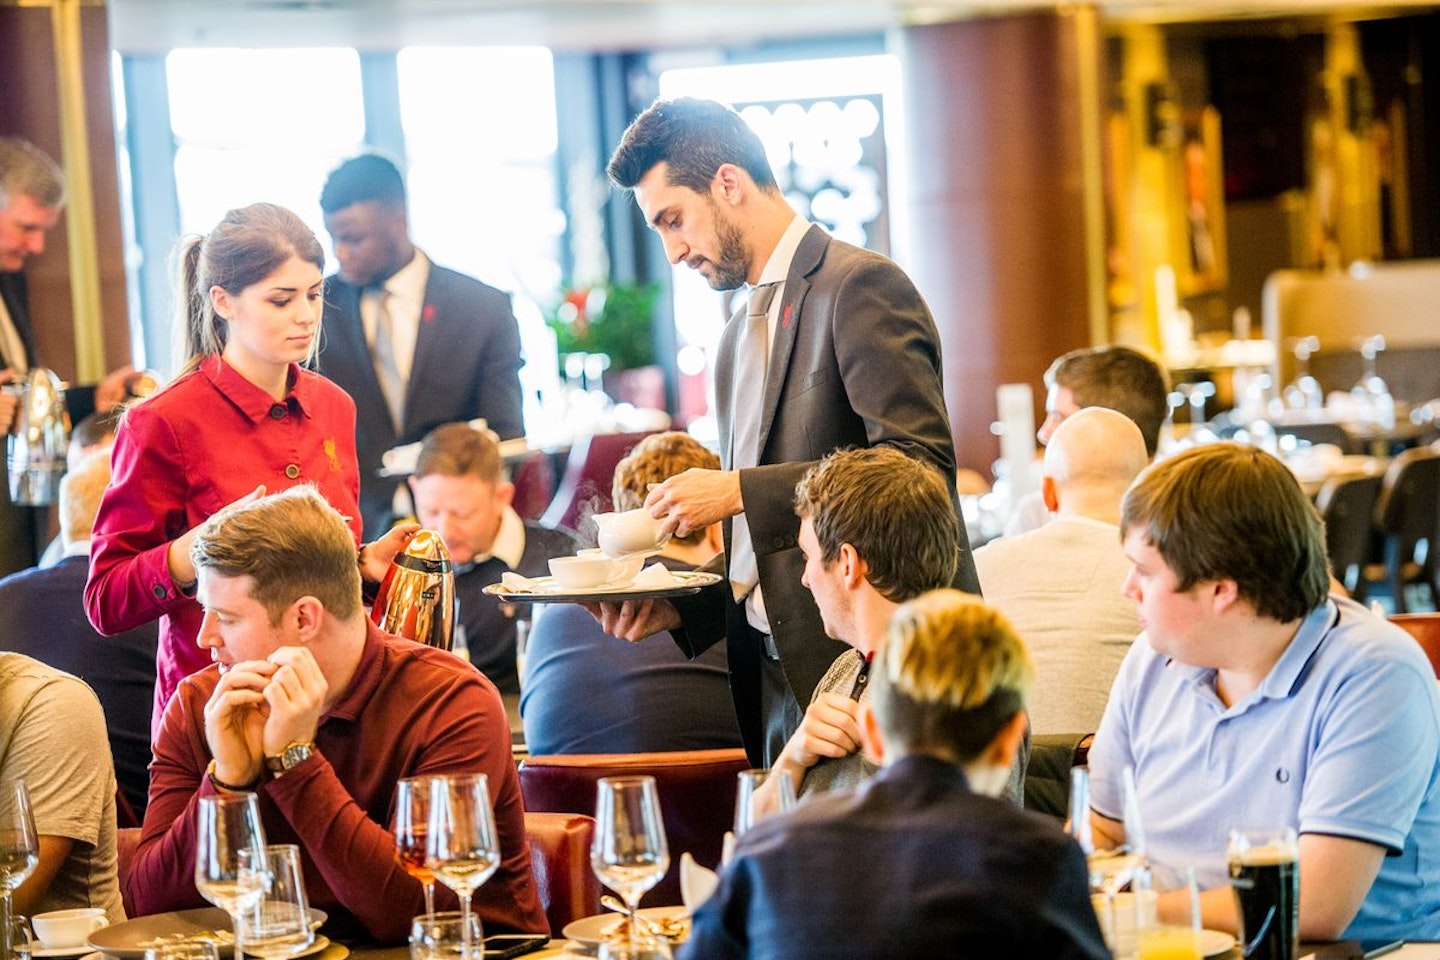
[
  {"x": 835, "y": 349},
  {"x": 32, "y": 193},
  {"x": 416, "y": 345}
]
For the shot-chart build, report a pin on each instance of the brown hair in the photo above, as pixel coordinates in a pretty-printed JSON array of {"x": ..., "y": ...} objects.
[
  {"x": 291, "y": 544},
  {"x": 28, "y": 171},
  {"x": 949, "y": 676},
  {"x": 654, "y": 459},
  {"x": 246, "y": 246},
  {"x": 459, "y": 450},
  {"x": 895, "y": 510},
  {"x": 1120, "y": 378},
  {"x": 1229, "y": 512},
  {"x": 695, "y": 138}
]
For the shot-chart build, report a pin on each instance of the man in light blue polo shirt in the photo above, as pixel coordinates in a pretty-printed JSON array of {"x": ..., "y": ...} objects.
[{"x": 1256, "y": 700}]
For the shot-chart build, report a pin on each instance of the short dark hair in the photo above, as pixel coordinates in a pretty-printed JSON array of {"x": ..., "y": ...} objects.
[
  {"x": 459, "y": 450},
  {"x": 951, "y": 673},
  {"x": 368, "y": 177},
  {"x": 1223, "y": 511},
  {"x": 695, "y": 137},
  {"x": 1121, "y": 378},
  {"x": 896, "y": 512},
  {"x": 655, "y": 459}
]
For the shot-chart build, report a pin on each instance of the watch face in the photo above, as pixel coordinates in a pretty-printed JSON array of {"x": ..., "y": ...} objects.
[{"x": 296, "y": 753}]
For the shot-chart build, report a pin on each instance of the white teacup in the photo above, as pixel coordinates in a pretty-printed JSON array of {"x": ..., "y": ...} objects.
[
  {"x": 631, "y": 531},
  {"x": 582, "y": 572},
  {"x": 67, "y": 928}
]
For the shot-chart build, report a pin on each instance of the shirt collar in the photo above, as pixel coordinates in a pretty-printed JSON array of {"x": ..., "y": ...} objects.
[
  {"x": 777, "y": 268},
  {"x": 509, "y": 543},
  {"x": 1284, "y": 677},
  {"x": 408, "y": 283},
  {"x": 250, "y": 399},
  {"x": 366, "y": 680}
]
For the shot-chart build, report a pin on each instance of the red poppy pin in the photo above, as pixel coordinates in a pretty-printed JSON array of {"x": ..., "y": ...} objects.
[
  {"x": 785, "y": 322},
  {"x": 427, "y": 315}
]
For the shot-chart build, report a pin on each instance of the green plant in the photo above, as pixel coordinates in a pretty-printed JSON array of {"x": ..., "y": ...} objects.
[{"x": 613, "y": 319}]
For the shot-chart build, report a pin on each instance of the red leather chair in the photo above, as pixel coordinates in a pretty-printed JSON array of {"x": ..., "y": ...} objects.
[
  {"x": 589, "y": 470},
  {"x": 560, "y": 862},
  {"x": 696, "y": 788},
  {"x": 1425, "y": 628}
]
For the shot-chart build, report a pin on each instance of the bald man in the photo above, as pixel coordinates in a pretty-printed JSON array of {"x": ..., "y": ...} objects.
[{"x": 1061, "y": 585}]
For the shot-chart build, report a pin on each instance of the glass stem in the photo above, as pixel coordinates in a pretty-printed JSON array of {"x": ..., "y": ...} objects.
[
  {"x": 465, "y": 927},
  {"x": 429, "y": 886},
  {"x": 7, "y": 949},
  {"x": 235, "y": 926}
]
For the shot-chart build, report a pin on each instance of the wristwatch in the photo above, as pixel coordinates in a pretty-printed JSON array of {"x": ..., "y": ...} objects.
[{"x": 295, "y": 752}]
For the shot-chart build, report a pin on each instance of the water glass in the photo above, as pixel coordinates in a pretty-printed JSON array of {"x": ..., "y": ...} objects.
[
  {"x": 278, "y": 925},
  {"x": 446, "y": 936},
  {"x": 747, "y": 811},
  {"x": 19, "y": 855},
  {"x": 228, "y": 825}
]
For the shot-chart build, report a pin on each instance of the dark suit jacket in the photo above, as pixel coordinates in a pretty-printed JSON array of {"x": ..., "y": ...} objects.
[
  {"x": 467, "y": 363},
  {"x": 855, "y": 362},
  {"x": 42, "y": 615},
  {"x": 910, "y": 864},
  {"x": 21, "y": 528}
]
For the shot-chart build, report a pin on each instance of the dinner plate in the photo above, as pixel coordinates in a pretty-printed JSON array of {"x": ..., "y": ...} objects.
[
  {"x": 133, "y": 937},
  {"x": 1215, "y": 942},
  {"x": 588, "y": 931},
  {"x": 546, "y": 590}
]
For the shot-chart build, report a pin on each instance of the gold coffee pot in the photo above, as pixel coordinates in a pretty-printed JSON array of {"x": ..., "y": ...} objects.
[
  {"x": 417, "y": 596},
  {"x": 40, "y": 439}
]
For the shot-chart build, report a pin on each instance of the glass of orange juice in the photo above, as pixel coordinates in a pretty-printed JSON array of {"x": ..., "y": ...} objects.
[{"x": 1167, "y": 915}]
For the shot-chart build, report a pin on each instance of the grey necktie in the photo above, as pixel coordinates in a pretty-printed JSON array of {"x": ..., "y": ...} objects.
[
  {"x": 383, "y": 352},
  {"x": 747, "y": 403}
]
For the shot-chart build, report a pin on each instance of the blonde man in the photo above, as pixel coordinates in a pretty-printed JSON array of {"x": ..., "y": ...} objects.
[{"x": 924, "y": 860}]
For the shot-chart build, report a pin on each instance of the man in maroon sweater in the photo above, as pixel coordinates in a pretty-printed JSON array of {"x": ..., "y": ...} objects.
[{"x": 320, "y": 713}]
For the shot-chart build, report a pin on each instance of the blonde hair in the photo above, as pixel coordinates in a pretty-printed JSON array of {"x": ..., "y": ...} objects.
[
  {"x": 291, "y": 544},
  {"x": 80, "y": 491},
  {"x": 951, "y": 673}
]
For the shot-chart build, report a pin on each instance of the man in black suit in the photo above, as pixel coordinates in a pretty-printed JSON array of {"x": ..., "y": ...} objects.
[
  {"x": 848, "y": 356},
  {"x": 416, "y": 345},
  {"x": 32, "y": 193}
]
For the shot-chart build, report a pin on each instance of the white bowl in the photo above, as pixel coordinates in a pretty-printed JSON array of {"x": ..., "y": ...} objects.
[{"x": 583, "y": 572}]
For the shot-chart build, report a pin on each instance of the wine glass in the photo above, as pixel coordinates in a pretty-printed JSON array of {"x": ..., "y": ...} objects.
[
  {"x": 1372, "y": 393},
  {"x": 19, "y": 854},
  {"x": 228, "y": 825},
  {"x": 747, "y": 811},
  {"x": 412, "y": 819},
  {"x": 1304, "y": 393},
  {"x": 445, "y": 936},
  {"x": 629, "y": 854},
  {"x": 279, "y": 923},
  {"x": 461, "y": 848}
]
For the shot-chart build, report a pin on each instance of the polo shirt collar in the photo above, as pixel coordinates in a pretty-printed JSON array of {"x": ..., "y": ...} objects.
[
  {"x": 1284, "y": 678},
  {"x": 368, "y": 674},
  {"x": 250, "y": 399}
]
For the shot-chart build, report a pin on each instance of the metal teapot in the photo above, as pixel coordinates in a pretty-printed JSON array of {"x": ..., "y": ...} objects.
[
  {"x": 40, "y": 439},
  {"x": 417, "y": 596}
]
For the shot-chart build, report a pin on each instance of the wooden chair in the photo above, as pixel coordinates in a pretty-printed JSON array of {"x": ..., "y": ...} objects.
[
  {"x": 1407, "y": 514},
  {"x": 589, "y": 470},
  {"x": 127, "y": 839},
  {"x": 696, "y": 788},
  {"x": 1347, "y": 505},
  {"x": 560, "y": 861},
  {"x": 1425, "y": 628}
]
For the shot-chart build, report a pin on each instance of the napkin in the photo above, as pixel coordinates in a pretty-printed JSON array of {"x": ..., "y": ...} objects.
[
  {"x": 653, "y": 577},
  {"x": 696, "y": 883},
  {"x": 514, "y": 583}
]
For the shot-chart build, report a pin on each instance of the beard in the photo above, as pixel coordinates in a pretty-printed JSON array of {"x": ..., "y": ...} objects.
[{"x": 733, "y": 264}]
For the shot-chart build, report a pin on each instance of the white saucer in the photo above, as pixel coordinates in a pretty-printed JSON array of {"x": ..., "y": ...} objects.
[{"x": 77, "y": 951}]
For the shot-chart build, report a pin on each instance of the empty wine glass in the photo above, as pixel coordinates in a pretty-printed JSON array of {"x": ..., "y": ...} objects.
[
  {"x": 19, "y": 855},
  {"x": 748, "y": 811},
  {"x": 445, "y": 936},
  {"x": 461, "y": 846},
  {"x": 629, "y": 854},
  {"x": 412, "y": 820},
  {"x": 278, "y": 925},
  {"x": 1372, "y": 393},
  {"x": 1304, "y": 393},
  {"x": 228, "y": 826}
]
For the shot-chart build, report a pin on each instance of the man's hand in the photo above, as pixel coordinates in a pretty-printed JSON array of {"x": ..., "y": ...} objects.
[
  {"x": 296, "y": 698},
  {"x": 376, "y": 556},
  {"x": 634, "y": 620},
  {"x": 177, "y": 556},
  {"x": 9, "y": 403},
  {"x": 235, "y": 719},
  {"x": 830, "y": 729},
  {"x": 695, "y": 499},
  {"x": 114, "y": 389}
]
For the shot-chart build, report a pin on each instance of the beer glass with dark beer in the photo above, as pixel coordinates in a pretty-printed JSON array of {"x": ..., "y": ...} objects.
[{"x": 1265, "y": 875}]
